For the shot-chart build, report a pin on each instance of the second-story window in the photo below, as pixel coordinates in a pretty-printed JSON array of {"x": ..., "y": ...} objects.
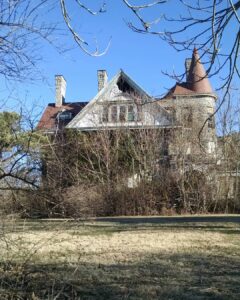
[
  {"x": 122, "y": 113},
  {"x": 187, "y": 116},
  {"x": 131, "y": 113},
  {"x": 105, "y": 114},
  {"x": 114, "y": 113},
  {"x": 119, "y": 113}
]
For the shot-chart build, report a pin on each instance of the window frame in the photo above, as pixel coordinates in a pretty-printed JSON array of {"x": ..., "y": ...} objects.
[
  {"x": 113, "y": 114},
  {"x": 132, "y": 113},
  {"x": 120, "y": 113}
]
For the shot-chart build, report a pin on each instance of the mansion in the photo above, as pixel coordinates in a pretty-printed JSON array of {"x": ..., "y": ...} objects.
[
  {"x": 121, "y": 103},
  {"x": 170, "y": 142}
]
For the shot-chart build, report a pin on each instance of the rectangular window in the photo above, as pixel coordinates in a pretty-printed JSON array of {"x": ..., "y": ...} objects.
[
  {"x": 187, "y": 116},
  {"x": 114, "y": 116},
  {"x": 139, "y": 116},
  {"x": 172, "y": 111},
  {"x": 131, "y": 113},
  {"x": 65, "y": 115},
  {"x": 122, "y": 113},
  {"x": 105, "y": 114}
]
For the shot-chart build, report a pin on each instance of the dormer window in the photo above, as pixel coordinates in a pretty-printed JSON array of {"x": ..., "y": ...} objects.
[{"x": 64, "y": 115}]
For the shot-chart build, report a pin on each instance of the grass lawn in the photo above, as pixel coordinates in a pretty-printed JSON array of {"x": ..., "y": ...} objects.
[{"x": 111, "y": 260}]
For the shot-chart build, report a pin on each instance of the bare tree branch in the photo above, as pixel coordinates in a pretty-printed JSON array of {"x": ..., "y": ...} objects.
[{"x": 78, "y": 39}]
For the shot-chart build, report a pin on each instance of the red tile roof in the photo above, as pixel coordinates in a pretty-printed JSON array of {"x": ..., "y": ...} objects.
[
  {"x": 179, "y": 89},
  {"x": 49, "y": 119}
]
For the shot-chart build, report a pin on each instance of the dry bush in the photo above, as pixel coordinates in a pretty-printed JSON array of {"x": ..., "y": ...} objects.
[
  {"x": 83, "y": 201},
  {"x": 147, "y": 198},
  {"x": 26, "y": 203},
  {"x": 87, "y": 174},
  {"x": 6, "y": 198}
]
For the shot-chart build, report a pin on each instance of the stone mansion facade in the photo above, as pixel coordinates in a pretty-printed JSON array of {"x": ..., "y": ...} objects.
[{"x": 120, "y": 103}]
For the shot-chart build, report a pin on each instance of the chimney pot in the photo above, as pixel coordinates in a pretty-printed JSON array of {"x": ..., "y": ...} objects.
[
  {"x": 102, "y": 79},
  {"x": 60, "y": 84}
]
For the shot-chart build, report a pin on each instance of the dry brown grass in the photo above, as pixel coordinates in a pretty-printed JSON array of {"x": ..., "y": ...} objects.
[{"x": 97, "y": 260}]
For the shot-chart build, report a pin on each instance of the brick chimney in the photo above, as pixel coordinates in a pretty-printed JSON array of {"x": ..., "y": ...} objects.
[
  {"x": 187, "y": 66},
  {"x": 60, "y": 84},
  {"x": 102, "y": 79}
]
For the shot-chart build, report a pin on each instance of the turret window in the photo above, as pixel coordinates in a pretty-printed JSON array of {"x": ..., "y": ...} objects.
[
  {"x": 187, "y": 116},
  {"x": 211, "y": 123}
]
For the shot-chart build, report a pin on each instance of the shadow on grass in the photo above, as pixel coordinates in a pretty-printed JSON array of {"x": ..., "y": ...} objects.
[
  {"x": 157, "y": 276},
  {"x": 211, "y": 227},
  {"x": 108, "y": 228},
  {"x": 169, "y": 220}
]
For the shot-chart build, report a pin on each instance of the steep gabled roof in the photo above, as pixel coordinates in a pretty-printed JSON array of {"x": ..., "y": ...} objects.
[
  {"x": 121, "y": 75},
  {"x": 48, "y": 120}
]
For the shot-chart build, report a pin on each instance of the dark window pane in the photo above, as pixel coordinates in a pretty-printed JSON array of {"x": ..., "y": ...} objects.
[
  {"x": 211, "y": 123},
  {"x": 114, "y": 113},
  {"x": 187, "y": 116},
  {"x": 172, "y": 111},
  {"x": 130, "y": 113},
  {"x": 122, "y": 115},
  {"x": 65, "y": 115},
  {"x": 105, "y": 114},
  {"x": 139, "y": 113}
]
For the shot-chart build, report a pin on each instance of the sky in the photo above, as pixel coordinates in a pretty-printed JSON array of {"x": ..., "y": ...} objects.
[{"x": 143, "y": 57}]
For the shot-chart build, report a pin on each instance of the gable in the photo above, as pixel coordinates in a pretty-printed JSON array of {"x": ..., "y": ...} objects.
[{"x": 120, "y": 103}]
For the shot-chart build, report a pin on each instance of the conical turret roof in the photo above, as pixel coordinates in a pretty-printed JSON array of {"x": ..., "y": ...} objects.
[{"x": 197, "y": 80}]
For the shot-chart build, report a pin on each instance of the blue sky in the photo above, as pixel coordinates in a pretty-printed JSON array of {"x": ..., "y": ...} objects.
[{"x": 142, "y": 57}]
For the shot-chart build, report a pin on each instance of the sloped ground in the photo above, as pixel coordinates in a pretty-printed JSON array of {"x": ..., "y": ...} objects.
[{"x": 115, "y": 259}]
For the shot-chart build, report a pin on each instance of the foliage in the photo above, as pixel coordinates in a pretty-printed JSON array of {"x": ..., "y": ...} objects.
[
  {"x": 133, "y": 172},
  {"x": 9, "y": 126},
  {"x": 19, "y": 146}
]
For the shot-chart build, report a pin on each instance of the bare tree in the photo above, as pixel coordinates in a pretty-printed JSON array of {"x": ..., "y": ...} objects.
[
  {"x": 204, "y": 24},
  {"x": 83, "y": 44},
  {"x": 228, "y": 154},
  {"x": 22, "y": 28}
]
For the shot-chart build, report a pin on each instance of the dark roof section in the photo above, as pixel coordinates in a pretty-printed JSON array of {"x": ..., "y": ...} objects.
[
  {"x": 196, "y": 83},
  {"x": 49, "y": 120}
]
